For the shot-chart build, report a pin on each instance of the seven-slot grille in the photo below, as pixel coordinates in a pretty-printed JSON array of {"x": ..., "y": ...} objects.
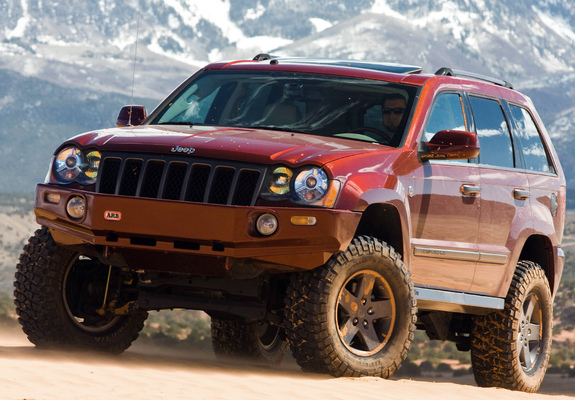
[{"x": 184, "y": 179}]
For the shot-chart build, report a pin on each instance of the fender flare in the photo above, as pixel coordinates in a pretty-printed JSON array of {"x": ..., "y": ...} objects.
[{"x": 398, "y": 199}]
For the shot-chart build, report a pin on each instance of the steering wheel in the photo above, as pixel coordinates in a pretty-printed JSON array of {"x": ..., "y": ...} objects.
[{"x": 379, "y": 133}]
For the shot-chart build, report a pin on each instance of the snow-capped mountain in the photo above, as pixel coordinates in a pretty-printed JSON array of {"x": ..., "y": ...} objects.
[
  {"x": 82, "y": 54},
  {"x": 516, "y": 38}
]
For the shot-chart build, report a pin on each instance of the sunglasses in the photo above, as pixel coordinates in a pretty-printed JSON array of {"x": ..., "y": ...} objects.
[{"x": 396, "y": 111}]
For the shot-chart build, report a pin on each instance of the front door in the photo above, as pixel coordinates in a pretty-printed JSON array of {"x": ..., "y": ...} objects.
[{"x": 444, "y": 203}]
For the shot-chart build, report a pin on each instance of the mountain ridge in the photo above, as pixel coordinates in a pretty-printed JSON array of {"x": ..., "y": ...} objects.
[{"x": 84, "y": 55}]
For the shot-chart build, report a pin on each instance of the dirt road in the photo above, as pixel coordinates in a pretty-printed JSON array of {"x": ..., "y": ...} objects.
[{"x": 147, "y": 373}]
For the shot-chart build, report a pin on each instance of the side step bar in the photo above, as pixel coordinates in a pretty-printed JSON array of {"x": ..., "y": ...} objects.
[{"x": 442, "y": 300}]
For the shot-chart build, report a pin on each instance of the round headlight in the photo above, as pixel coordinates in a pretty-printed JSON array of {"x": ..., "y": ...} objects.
[
  {"x": 68, "y": 165},
  {"x": 71, "y": 165},
  {"x": 92, "y": 164},
  {"x": 280, "y": 180},
  {"x": 76, "y": 207},
  {"x": 267, "y": 224},
  {"x": 278, "y": 184},
  {"x": 310, "y": 185}
]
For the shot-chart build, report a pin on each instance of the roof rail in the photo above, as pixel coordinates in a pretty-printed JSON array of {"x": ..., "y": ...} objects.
[
  {"x": 375, "y": 66},
  {"x": 456, "y": 72}
]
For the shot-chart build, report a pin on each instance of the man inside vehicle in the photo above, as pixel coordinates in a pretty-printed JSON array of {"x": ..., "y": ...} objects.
[{"x": 392, "y": 112}]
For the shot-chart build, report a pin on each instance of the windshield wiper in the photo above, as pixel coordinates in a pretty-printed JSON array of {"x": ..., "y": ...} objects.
[
  {"x": 271, "y": 128},
  {"x": 190, "y": 124}
]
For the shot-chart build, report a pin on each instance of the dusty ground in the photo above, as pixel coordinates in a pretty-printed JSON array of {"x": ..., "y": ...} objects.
[
  {"x": 145, "y": 373},
  {"x": 151, "y": 373}
]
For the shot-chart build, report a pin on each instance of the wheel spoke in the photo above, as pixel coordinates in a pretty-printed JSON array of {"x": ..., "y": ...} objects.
[
  {"x": 366, "y": 285},
  {"x": 382, "y": 308},
  {"x": 523, "y": 355},
  {"x": 528, "y": 354},
  {"x": 348, "y": 301},
  {"x": 534, "y": 332},
  {"x": 529, "y": 333},
  {"x": 528, "y": 309},
  {"x": 349, "y": 331},
  {"x": 530, "y": 346},
  {"x": 370, "y": 337}
]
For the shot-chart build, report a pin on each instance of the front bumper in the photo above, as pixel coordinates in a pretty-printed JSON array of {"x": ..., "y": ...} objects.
[{"x": 168, "y": 235}]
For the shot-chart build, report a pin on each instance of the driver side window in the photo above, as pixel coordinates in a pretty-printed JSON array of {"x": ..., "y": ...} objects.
[
  {"x": 372, "y": 117},
  {"x": 446, "y": 114}
]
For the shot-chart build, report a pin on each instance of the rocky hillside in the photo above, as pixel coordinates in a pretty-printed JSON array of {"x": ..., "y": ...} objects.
[{"x": 68, "y": 66}]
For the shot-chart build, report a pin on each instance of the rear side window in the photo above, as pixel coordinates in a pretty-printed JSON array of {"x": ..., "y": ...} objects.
[
  {"x": 447, "y": 113},
  {"x": 534, "y": 152},
  {"x": 496, "y": 147}
]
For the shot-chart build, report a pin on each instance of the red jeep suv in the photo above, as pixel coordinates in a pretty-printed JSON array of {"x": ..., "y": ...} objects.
[{"x": 328, "y": 206}]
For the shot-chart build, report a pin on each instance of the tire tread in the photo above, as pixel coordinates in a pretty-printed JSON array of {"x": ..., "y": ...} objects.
[
  {"x": 494, "y": 352},
  {"x": 306, "y": 311},
  {"x": 37, "y": 302}
]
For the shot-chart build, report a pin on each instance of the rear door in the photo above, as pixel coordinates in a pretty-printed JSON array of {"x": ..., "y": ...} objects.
[
  {"x": 505, "y": 211},
  {"x": 546, "y": 198}
]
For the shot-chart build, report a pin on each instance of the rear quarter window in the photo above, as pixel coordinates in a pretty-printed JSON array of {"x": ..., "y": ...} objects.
[{"x": 534, "y": 151}]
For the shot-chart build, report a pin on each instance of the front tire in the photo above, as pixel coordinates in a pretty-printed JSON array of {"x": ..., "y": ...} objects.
[
  {"x": 356, "y": 315},
  {"x": 56, "y": 294},
  {"x": 253, "y": 340},
  {"x": 510, "y": 348}
]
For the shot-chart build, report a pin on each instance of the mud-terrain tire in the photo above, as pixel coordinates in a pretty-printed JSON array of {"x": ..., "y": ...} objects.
[
  {"x": 253, "y": 340},
  {"x": 510, "y": 348},
  {"x": 47, "y": 278},
  {"x": 354, "y": 316}
]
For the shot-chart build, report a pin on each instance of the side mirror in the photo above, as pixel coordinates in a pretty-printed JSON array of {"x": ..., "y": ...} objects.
[
  {"x": 131, "y": 116},
  {"x": 451, "y": 145}
]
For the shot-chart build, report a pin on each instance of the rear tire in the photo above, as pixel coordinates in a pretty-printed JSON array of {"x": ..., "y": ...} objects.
[
  {"x": 356, "y": 315},
  {"x": 253, "y": 340},
  {"x": 510, "y": 348},
  {"x": 56, "y": 294}
]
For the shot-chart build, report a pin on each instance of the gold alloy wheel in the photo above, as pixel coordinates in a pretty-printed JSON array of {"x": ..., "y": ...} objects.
[{"x": 366, "y": 313}]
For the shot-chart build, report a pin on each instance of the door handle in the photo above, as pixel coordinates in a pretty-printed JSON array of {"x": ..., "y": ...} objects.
[
  {"x": 521, "y": 194},
  {"x": 470, "y": 190}
]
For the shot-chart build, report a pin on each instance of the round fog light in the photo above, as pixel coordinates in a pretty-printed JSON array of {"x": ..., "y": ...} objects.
[
  {"x": 76, "y": 207},
  {"x": 267, "y": 224}
]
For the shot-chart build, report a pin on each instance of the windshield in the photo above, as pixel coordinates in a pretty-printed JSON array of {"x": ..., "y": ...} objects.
[{"x": 324, "y": 105}]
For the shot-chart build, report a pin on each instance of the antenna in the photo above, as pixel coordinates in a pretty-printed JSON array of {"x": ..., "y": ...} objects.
[{"x": 134, "y": 70}]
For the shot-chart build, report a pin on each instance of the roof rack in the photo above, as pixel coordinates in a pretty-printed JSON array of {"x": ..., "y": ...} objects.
[
  {"x": 376, "y": 66},
  {"x": 456, "y": 72}
]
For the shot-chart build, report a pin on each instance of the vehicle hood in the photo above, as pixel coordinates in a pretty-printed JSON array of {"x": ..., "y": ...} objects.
[{"x": 238, "y": 144}]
